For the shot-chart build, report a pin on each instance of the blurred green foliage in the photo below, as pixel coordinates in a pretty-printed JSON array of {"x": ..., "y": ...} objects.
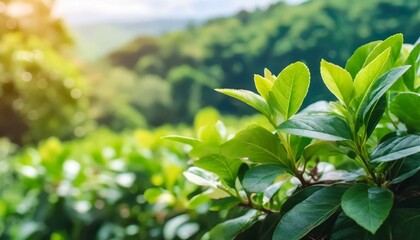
[
  {"x": 90, "y": 189},
  {"x": 225, "y": 52},
  {"x": 42, "y": 93}
]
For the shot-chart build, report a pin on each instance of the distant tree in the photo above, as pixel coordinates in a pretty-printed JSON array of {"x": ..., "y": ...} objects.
[{"x": 41, "y": 92}]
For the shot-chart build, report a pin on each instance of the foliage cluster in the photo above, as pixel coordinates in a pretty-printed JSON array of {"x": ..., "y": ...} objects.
[
  {"x": 347, "y": 169},
  {"x": 106, "y": 186}
]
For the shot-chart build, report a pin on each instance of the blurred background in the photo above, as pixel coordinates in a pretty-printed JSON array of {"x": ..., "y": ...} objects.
[{"x": 88, "y": 87}]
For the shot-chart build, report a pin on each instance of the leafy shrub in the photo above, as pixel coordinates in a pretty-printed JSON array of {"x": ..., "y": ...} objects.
[
  {"x": 342, "y": 170},
  {"x": 90, "y": 189},
  {"x": 105, "y": 186}
]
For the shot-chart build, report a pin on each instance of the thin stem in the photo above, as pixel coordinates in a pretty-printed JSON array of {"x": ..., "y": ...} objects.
[
  {"x": 287, "y": 147},
  {"x": 365, "y": 159},
  {"x": 259, "y": 208},
  {"x": 302, "y": 180}
]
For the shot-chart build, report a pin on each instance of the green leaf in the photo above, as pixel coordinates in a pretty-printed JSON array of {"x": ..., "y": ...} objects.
[
  {"x": 229, "y": 229},
  {"x": 346, "y": 228},
  {"x": 225, "y": 168},
  {"x": 367, "y": 206},
  {"x": 298, "y": 196},
  {"x": 198, "y": 201},
  {"x": 403, "y": 105},
  {"x": 377, "y": 90},
  {"x": 206, "y": 117},
  {"x": 211, "y": 133},
  {"x": 224, "y": 203},
  {"x": 356, "y": 61},
  {"x": 263, "y": 86},
  {"x": 298, "y": 144},
  {"x": 323, "y": 148},
  {"x": 375, "y": 115},
  {"x": 369, "y": 74},
  {"x": 393, "y": 42},
  {"x": 319, "y": 126},
  {"x": 409, "y": 166},
  {"x": 338, "y": 81},
  {"x": 289, "y": 89},
  {"x": 258, "y": 178},
  {"x": 309, "y": 213},
  {"x": 182, "y": 139},
  {"x": 405, "y": 223},
  {"x": 252, "y": 99},
  {"x": 396, "y": 148},
  {"x": 204, "y": 149},
  {"x": 201, "y": 177},
  {"x": 411, "y": 75},
  {"x": 257, "y": 144}
]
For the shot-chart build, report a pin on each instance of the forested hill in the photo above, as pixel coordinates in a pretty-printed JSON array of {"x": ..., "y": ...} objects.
[{"x": 226, "y": 52}]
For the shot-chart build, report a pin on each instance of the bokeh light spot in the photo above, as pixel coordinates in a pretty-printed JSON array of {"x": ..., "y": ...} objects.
[
  {"x": 75, "y": 93},
  {"x": 27, "y": 76}
]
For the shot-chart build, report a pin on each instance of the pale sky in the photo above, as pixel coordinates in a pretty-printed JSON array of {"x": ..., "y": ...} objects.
[{"x": 87, "y": 11}]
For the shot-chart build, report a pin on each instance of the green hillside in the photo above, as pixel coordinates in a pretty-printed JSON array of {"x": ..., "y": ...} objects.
[
  {"x": 225, "y": 52},
  {"x": 114, "y": 34}
]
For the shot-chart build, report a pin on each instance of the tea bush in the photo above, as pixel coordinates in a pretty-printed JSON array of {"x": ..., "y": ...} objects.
[
  {"x": 340, "y": 170},
  {"x": 105, "y": 186}
]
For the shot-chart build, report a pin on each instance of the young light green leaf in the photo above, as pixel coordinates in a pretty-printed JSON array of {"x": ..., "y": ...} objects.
[
  {"x": 182, "y": 139},
  {"x": 252, "y": 99},
  {"x": 356, "y": 61},
  {"x": 338, "y": 81},
  {"x": 367, "y": 206},
  {"x": 309, "y": 213},
  {"x": 263, "y": 85},
  {"x": 201, "y": 177},
  {"x": 289, "y": 89},
  {"x": 257, "y": 144},
  {"x": 258, "y": 178},
  {"x": 369, "y": 74},
  {"x": 268, "y": 75},
  {"x": 225, "y": 168},
  {"x": 376, "y": 91},
  {"x": 403, "y": 105},
  {"x": 319, "y": 126},
  {"x": 396, "y": 148},
  {"x": 393, "y": 42},
  {"x": 230, "y": 229},
  {"x": 409, "y": 167}
]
